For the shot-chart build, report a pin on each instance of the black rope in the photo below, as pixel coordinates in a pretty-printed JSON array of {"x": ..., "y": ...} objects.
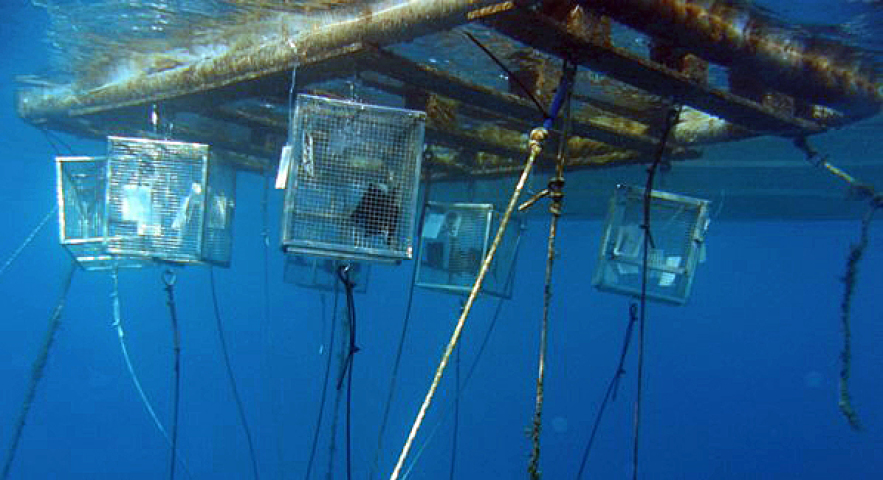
[
  {"x": 427, "y": 158},
  {"x": 612, "y": 386},
  {"x": 348, "y": 285},
  {"x": 229, "y": 368},
  {"x": 510, "y": 75},
  {"x": 319, "y": 416},
  {"x": 169, "y": 279},
  {"x": 332, "y": 444},
  {"x": 671, "y": 119},
  {"x": 52, "y": 138},
  {"x": 37, "y": 369},
  {"x": 267, "y": 329},
  {"x": 456, "y": 430}
]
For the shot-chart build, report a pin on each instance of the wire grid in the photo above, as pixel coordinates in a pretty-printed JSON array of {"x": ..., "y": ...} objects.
[
  {"x": 221, "y": 194},
  {"x": 677, "y": 229},
  {"x": 455, "y": 240},
  {"x": 156, "y": 198},
  {"x": 321, "y": 273},
  {"x": 353, "y": 180},
  {"x": 82, "y": 191},
  {"x": 81, "y": 188}
]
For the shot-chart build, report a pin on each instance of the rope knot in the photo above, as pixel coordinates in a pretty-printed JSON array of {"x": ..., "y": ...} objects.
[
  {"x": 537, "y": 137},
  {"x": 556, "y": 189}
]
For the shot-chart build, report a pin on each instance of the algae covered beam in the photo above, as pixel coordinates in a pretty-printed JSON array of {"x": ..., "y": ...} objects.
[
  {"x": 546, "y": 34},
  {"x": 393, "y": 24},
  {"x": 751, "y": 42}
]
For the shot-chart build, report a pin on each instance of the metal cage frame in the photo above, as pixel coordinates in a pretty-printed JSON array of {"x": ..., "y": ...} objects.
[
  {"x": 299, "y": 167},
  {"x": 614, "y": 239}
]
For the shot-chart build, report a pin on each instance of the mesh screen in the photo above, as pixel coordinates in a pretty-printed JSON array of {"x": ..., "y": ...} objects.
[
  {"x": 156, "y": 198},
  {"x": 353, "y": 179},
  {"x": 455, "y": 240},
  {"x": 677, "y": 228},
  {"x": 82, "y": 190},
  {"x": 218, "y": 236}
]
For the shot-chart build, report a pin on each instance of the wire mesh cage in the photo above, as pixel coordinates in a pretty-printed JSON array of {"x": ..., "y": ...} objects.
[
  {"x": 321, "y": 273},
  {"x": 81, "y": 184},
  {"x": 677, "y": 234},
  {"x": 352, "y": 180},
  {"x": 455, "y": 239},
  {"x": 170, "y": 201}
]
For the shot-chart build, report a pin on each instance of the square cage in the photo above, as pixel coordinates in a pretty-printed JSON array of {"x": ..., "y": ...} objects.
[
  {"x": 320, "y": 273},
  {"x": 677, "y": 233},
  {"x": 352, "y": 180},
  {"x": 171, "y": 201},
  {"x": 455, "y": 239},
  {"x": 82, "y": 197}
]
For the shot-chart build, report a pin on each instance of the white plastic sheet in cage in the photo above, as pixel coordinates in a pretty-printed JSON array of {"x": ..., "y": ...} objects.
[
  {"x": 352, "y": 180},
  {"x": 455, "y": 239},
  {"x": 321, "y": 273},
  {"x": 81, "y": 184},
  {"x": 677, "y": 240},
  {"x": 167, "y": 200}
]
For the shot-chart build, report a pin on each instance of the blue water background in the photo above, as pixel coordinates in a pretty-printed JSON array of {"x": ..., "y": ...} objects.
[{"x": 741, "y": 383}]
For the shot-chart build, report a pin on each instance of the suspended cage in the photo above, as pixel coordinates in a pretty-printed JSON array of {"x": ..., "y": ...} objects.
[
  {"x": 677, "y": 233},
  {"x": 321, "y": 273},
  {"x": 456, "y": 237},
  {"x": 352, "y": 178},
  {"x": 170, "y": 201},
  {"x": 81, "y": 184}
]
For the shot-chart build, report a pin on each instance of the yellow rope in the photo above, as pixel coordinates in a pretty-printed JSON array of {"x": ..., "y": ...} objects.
[
  {"x": 537, "y": 136},
  {"x": 556, "y": 193},
  {"x": 839, "y": 173}
]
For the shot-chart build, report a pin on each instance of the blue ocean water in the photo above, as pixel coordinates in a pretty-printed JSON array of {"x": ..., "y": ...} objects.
[{"x": 740, "y": 383}]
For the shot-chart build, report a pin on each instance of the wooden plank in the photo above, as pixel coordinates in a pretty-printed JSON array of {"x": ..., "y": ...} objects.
[{"x": 433, "y": 80}]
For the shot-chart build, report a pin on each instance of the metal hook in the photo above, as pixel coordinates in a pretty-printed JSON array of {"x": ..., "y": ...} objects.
[{"x": 169, "y": 277}]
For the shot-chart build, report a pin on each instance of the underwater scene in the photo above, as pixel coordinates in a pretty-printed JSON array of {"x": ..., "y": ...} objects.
[{"x": 441, "y": 239}]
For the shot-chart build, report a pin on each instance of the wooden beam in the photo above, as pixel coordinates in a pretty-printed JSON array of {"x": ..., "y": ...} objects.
[{"x": 552, "y": 37}]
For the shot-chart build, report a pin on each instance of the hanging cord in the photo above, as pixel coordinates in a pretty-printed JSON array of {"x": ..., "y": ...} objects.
[
  {"x": 862, "y": 191},
  {"x": 478, "y": 356},
  {"x": 37, "y": 370},
  {"x": 343, "y": 273},
  {"x": 332, "y": 443},
  {"x": 229, "y": 368},
  {"x": 30, "y": 238},
  {"x": 509, "y": 74},
  {"x": 537, "y": 137},
  {"x": 612, "y": 387},
  {"x": 118, "y": 324},
  {"x": 671, "y": 119},
  {"x": 556, "y": 193},
  {"x": 456, "y": 429},
  {"x": 267, "y": 330},
  {"x": 169, "y": 279},
  {"x": 54, "y": 140},
  {"x": 428, "y": 157},
  {"x": 330, "y": 354},
  {"x": 856, "y": 251}
]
